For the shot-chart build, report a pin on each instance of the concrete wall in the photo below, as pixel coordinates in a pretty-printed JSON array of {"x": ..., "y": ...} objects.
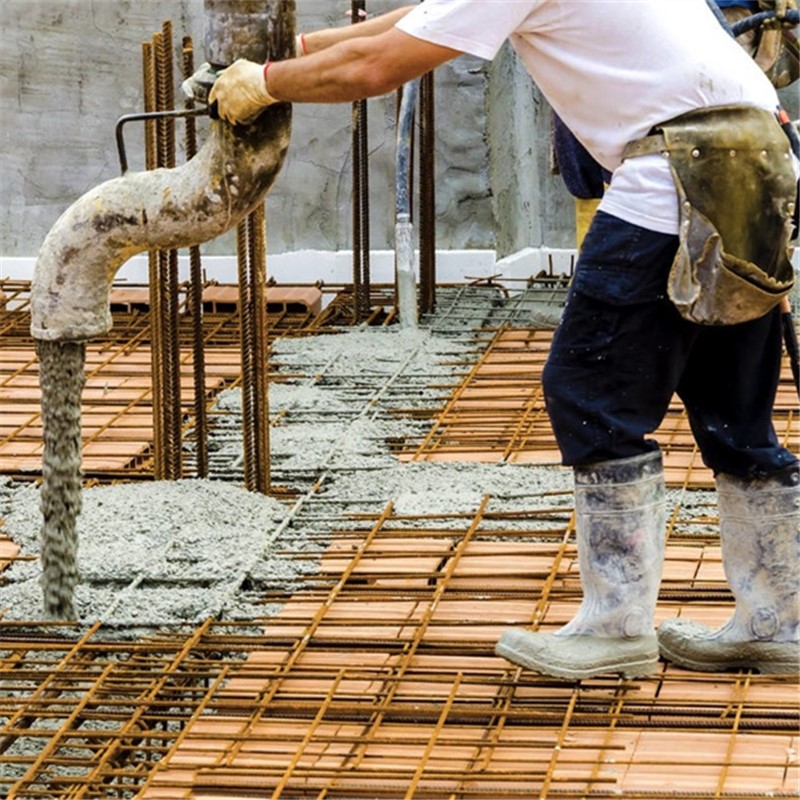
[{"x": 70, "y": 68}]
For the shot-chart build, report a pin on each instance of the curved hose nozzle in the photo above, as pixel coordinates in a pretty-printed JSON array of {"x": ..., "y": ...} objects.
[
  {"x": 162, "y": 209},
  {"x": 165, "y": 209}
]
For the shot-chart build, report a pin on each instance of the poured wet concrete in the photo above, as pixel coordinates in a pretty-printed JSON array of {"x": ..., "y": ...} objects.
[
  {"x": 154, "y": 554},
  {"x": 62, "y": 379}
]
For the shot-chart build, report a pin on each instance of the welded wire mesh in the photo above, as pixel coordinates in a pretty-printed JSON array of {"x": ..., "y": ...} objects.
[{"x": 378, "y": 680}]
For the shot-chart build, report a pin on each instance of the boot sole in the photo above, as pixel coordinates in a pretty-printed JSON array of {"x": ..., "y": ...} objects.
[
  {"x": 721, "y": 663},
  {"x": 592, "y": 656},
  {"x": 691, "y": 645}
]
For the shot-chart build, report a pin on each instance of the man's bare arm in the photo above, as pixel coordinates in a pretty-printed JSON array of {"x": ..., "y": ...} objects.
[
  {"x": 323, "y": 39},
  {"x": 355, "y": 68}
]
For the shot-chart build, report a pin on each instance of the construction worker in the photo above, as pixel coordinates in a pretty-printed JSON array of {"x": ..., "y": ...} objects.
[
  {"x": 774, "y": 49},
  {"x": 675, "y": 290}
]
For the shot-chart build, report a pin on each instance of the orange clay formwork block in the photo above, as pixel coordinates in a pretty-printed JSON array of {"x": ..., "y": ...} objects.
[
  {"x": 8, "y": 552},
  {"x": 220, "y": 299},
  {"x": 116, "y": 424},
  {"x": 373, "y": 695},
  {"x": 295, "y": 298},
  {"x": 225, "y": 299},
  {"x": 128, "y": 300}
]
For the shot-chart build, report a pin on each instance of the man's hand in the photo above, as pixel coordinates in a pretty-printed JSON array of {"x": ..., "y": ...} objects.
[
  {"x": 780, "y": 7},
  {"x": 240, "y": 92}
]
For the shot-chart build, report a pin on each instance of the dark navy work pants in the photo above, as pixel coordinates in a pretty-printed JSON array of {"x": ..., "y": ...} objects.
[{"x": 621, "y": 350}]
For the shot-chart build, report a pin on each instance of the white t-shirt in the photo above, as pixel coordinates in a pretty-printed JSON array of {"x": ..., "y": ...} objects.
[{"x": 611, "y": 69}]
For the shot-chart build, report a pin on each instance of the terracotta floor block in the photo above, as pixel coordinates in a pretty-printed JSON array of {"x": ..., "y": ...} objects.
[
  {"x": 489, "y": 417},
  {"x": 219, "y": 299},
  {"x": 8, "y": 552},
  {"x": 116, "y": 404},
  {"x": 549, "y": 733},
  {"x": 385, "y": 684}
]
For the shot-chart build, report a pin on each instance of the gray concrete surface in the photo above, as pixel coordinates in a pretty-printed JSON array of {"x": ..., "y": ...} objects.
[
  {"x": 70, "y": 68},
  {"x": 159, "y": 554}
]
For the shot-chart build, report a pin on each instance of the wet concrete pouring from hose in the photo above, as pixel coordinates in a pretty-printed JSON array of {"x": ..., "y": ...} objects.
[{"x": 62, "y": 379}]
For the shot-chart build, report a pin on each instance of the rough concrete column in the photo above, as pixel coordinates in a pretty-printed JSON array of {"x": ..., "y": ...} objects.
[{"x": 531, "y": 206}]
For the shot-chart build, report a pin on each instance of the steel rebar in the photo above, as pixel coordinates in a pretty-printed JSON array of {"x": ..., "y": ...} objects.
[{"x": 195, "y": 296}]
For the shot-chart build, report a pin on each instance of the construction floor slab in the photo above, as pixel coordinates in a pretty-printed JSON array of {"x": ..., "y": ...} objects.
[{"x": 377, "y": 678}]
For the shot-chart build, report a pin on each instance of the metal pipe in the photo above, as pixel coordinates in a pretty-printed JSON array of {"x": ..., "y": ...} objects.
[
  {"x": 166, "y": 208},
  {"x": 403, "y": 229}
]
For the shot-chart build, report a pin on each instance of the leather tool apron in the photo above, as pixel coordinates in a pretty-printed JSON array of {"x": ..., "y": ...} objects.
[{"x": 732, "y": 167}]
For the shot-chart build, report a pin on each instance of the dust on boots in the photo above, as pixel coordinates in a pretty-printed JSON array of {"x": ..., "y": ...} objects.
[
  {"x": 759, "y": 523},
  {"x": 575, "y": 657},
  {"x": 619, "y": 507}
]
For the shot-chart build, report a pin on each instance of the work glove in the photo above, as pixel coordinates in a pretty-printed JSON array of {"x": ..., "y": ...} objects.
[
  {"x": 780, "y": 7},
  {"x": 777, "y": 51},
  {"x": 240, "y": 92},
  {"x": 196, "y": 87}
]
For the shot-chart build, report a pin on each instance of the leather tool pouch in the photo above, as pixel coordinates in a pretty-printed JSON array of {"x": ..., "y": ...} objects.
[{"x": 736, "y": 187}]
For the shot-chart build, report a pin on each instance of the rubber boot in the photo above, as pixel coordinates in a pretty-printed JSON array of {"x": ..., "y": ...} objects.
[
  {"x": 759, "y": 525},
  {"x": 619, "y": 508}
]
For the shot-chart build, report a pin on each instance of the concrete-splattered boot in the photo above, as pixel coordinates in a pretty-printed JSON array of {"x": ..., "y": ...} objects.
[
  {"x": 619, "y": 509},
  {"x": 759, "y": 525}
]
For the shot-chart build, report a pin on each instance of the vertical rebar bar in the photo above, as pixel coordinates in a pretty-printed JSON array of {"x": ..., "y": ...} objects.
[
  {"x": 247, "y": 351},
  {"x": 251, "y": 258},
  {"x": 164, "y": 272},
  {"x": 196, "y": 296},
  {"x": 151, "y": 162},
  {"x": 258, "y": 283},
  {"x": 168, "y": 286},
  {"x": 356, "y": 214},
  {"x": 366, "y": 304},
  {"x": 427, "y": 198}
]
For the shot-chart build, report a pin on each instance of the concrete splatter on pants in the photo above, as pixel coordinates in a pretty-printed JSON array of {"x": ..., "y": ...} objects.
[{"x": 622, "y": 350}]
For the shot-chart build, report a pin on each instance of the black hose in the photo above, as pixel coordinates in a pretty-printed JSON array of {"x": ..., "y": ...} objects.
[
  {"x": 792, "y": 16},
  {"x": 405, "y": 125},
  {"x": 721, "y": 18}
]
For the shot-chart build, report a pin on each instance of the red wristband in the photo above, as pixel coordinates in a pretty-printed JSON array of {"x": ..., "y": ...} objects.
[
  {"x": 266, "y": 67},
  {"x": 303, "y": 44}
]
